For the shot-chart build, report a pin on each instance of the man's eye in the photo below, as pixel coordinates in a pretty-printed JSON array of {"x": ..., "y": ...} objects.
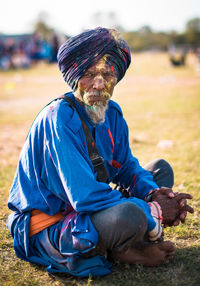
[
  {"x": 107, "y": 74},
  {"x": 88, "y": 75}
]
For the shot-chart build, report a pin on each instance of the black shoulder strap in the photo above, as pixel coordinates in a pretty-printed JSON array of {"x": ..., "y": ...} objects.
[{"x": 96, "y": 159}]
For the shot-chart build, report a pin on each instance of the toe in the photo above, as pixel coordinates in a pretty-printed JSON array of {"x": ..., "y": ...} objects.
[{"x": 167, "y": 246}]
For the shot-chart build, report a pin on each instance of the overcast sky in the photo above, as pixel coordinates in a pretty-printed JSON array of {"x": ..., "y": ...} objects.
[{"x": 71, "y": 17}]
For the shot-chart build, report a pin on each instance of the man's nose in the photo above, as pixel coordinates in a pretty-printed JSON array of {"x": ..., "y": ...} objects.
[{"x": 99, "y": 83}]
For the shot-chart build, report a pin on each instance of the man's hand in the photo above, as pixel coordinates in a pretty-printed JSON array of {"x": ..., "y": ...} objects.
[{"x": 174, "y": 206}]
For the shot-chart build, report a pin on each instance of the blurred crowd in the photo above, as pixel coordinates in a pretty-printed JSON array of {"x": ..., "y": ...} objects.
[{"x": 24, "y": 50}]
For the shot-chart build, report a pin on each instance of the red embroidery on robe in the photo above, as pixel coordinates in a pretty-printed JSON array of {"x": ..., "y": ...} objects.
[
  {"x": 111, "y": 138},
  {"x": 115, "y": 164}
]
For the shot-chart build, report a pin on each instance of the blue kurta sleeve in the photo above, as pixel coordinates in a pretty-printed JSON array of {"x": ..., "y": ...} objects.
[{"x": 131, "y": 175}]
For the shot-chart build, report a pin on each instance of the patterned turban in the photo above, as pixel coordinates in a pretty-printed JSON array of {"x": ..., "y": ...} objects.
[{"x": 79, "y": 53}]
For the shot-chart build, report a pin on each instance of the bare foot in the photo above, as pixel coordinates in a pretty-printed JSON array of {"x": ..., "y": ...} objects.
[{"x": 147, "y": 254}]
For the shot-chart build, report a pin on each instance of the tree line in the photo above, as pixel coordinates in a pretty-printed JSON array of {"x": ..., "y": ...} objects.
[{"x": 145, "y": 38}]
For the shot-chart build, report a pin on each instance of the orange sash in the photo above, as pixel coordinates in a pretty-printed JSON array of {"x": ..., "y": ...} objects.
[{"x": 40, "y": 221}]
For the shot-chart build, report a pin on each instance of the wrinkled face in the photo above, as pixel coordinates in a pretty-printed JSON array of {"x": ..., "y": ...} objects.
[{"x": 95, "y": 87}]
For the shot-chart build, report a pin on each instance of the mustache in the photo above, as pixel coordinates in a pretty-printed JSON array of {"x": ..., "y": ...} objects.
[{"x": 96, "y": 93}]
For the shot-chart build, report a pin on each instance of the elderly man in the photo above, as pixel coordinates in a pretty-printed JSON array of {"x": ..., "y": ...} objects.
[{"x": 66, "y": 215}]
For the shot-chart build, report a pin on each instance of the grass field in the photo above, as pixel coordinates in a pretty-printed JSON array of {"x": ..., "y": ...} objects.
[{"x": 159, "y": 103}]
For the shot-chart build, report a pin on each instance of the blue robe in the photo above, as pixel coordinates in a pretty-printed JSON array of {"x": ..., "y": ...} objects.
[{"x": 55, "y": 174}]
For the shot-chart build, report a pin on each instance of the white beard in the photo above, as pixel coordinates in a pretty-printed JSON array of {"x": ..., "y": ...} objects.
[{"x": 96, "y": 113}]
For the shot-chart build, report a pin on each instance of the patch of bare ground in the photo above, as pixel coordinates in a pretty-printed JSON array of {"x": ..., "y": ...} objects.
[{"x": 11, "y": 141}]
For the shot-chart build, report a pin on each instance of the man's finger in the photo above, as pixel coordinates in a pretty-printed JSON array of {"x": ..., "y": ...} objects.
[
  {"x": 181, "y": 196},
  {"x": 183, "y": 216},
  {"x": 176, "y": 222},
  {"x": 167, "y": 191},
  {"x": 182, "y": 203},
  {"x": 183, "y": 220},
  {"x": 186, "y": 208},
  {"x": 189, "y": 209}
]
